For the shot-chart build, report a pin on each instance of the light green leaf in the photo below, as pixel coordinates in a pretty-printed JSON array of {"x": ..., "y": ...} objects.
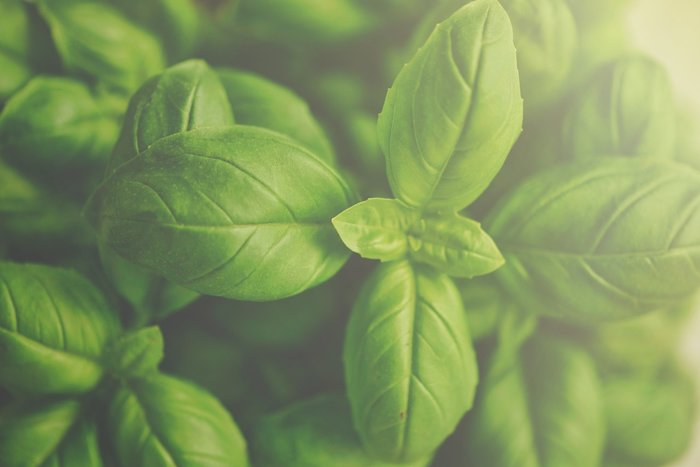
[
  {"x": 387, "y": 230},
  {"x": 627, "y": 109},
  {"x": 410, "y": 368},
  {"x": 96, "y": 40},
  {"x": 486, "y": 305},
  {"x": 454, "y": 111},
  {"x": 316, "y": 432},
  {"x": 601, "y": 239},
  {"x": 161, "y": 420},
  {"x": 260, "y": 102},
  {"x": 54, "y": 326},
  {"x": 544, "y": 410},
  {"x": 239, "y": 212},
  {"x": 185, "y": 96},
  {"x": 31, "y": 432}
]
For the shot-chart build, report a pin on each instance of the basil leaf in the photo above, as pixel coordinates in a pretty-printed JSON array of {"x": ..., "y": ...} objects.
[
  {"x": 80, "y": 447},
  {"x": 650, "y": 422},
  {"x": 137, "y": 353},
  {"x": 302, "y": 21},
  {"x": 161, "y": 420},
  {"x": 316, "y": 432},
  {"x": 611, "y": 260},
  {"x": 387, "y": 229},
  {"x": 239, "y": 212},
  {"x": 454, "y": 111},
  {"x": 174, "y": 22},
  {"x": 259, "y": 102},
  {"x": 409, "y": 365},
  {"x": 486, "y": 305},
  {"x": 25, "y": 47},
  {"x": 31, "y": 432},
  {"x": 54, "y": 326},
  {"x": 95, "y": 40},
  {"x": 545, "y": 38},
  {"x": 183, "y": 97},
  {"x": 151, "y": 297},
  {"x": 55, "y": 123},
  {"x": 543, "y": 410},
  {"x": 627, "y": 109}
]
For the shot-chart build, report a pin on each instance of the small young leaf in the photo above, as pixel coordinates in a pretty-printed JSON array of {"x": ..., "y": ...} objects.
[
  {"x": 409, "y": 365},
  {"x": 54, "y": 326},
  {"x": 137, "y": 353},
  {"x": 239, "y": 212},
  {"x": 388, "y": 230},
  {"x": 259, "y": 102},
  {"x": 454, "y": 111},
  {"x": 185, "y": 96},
  {"x": 601, "y": 239},
  {"x": 161, "y": 420}
]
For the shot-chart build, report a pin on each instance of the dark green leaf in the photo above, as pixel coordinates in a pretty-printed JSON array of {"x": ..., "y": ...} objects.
[{"x": 137, "y": 353}]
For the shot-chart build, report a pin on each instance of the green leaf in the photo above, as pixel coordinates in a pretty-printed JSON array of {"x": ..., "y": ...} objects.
[
  {"x": 545, "y": 37},
  {"x": 137, "y": 353},
  {"x": 31, "y": 432},
  {"x": 297, "y": 22},
  {"x": 454, "y": 110},
  {"x": 260, "y": 102},
  {"x": 410, "y": 368},
  {"x": 54, "y": 326},
  {"x": 650, "y": 422},
  {"x": 56, "y": 123},
  {"x": 627, "y": 109},
  {"x": 161, "y": 420},
  {"x": 95, "y": 40},
  {"x": 601, "y": 239},
  {"x": 387, "y": 230},
  {"x": 486, "y": 305},
  {"x": 80, "y": 447},
  {"x": 239, "y": 212},
  {"x": 175, "y": 22},
  {"x": 542, "y": 410},
  {"x": 316, "y": 432},
  {"x": 185, "y": 96}
]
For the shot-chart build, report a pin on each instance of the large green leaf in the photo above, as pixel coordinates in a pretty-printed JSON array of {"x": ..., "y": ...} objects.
[
  {"x": 541, "y": 410},
  {"x": 388, "y": 230},
  {"x": 259, "y": 102},
  {"x": 80, "y": 447},
  {"x": 410, "y": 368},
  {"x": 601, "y": 239},
  {"x": 454, "y": 111},
  {"x": 316, "y": 432},
  {"x": 239, "y": 212},
  {"x": 54, "y": 326},
  {"x": 164, "y": 421}
]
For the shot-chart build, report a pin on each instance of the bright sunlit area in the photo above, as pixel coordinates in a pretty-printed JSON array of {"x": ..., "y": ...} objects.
[{"x": 670, "y": 32}]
